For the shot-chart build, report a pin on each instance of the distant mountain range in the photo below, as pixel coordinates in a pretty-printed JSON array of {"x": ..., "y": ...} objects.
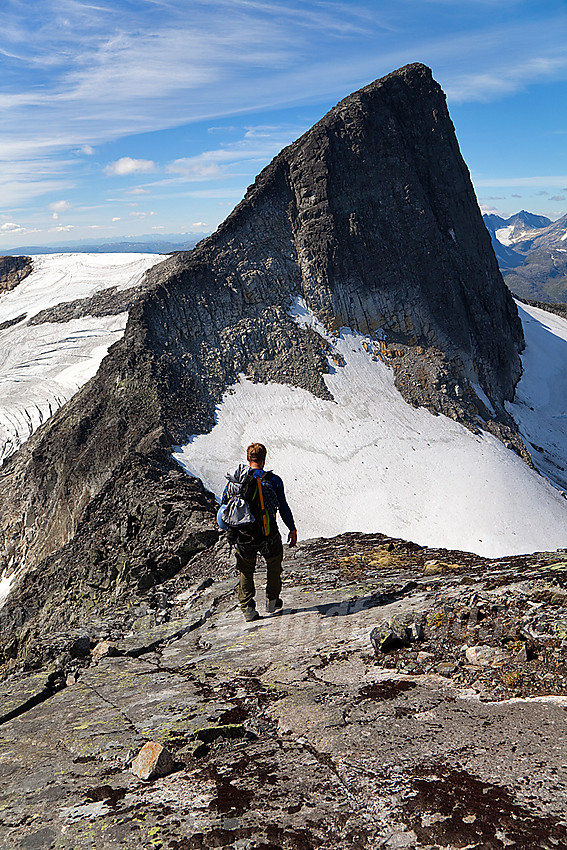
[
  {"x": 532, "y": 254},
  {"x": 149, "y": 244}
]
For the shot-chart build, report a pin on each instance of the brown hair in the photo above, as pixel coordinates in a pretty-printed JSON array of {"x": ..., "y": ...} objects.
[{"x": 256, "y": 453}]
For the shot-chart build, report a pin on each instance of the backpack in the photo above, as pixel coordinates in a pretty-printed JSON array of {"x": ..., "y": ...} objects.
[{"x": 249, "y": 503}]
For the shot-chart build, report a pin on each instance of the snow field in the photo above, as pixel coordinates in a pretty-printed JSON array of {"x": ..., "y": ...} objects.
[{"x": 370, "y": 462}]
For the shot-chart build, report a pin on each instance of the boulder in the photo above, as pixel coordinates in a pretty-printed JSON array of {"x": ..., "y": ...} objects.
[
  {"x": 103, "y": 649},
  {"x": 397, "y": 633},
  {"x": 484, "y": 656},
  {"x": 152, "y": 761},
  {"x": 81, "y": 647}
]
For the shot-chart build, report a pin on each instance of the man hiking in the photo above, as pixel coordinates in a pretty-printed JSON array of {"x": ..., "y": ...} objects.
[{"x": 256, "y": 496}]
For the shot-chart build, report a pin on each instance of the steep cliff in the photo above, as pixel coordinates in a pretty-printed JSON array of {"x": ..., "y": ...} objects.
[{"x": 372, "y": 219}]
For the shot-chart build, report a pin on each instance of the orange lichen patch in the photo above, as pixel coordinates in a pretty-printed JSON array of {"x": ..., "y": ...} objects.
[
  {"x": 432, "y": 567},
  {"x": 512, "y": 678},
  {"x": 356, "y": 565}
]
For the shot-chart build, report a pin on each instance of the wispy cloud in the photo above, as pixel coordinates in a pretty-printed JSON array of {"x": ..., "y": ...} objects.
[
  {"x": 258, "y": 145},
  {"x": 514, "y": 182},
  {"x": 109, "y": 70},
  {"x": 504, "y": 78},
  {"x": 113, "y": 70}
]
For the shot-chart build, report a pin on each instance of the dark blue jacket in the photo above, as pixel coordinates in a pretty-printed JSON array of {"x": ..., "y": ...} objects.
[{"x": 277, "y": 484}]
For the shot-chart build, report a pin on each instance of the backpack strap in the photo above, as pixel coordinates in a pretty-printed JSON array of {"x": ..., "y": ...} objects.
[{"x": 265, "y": 515}]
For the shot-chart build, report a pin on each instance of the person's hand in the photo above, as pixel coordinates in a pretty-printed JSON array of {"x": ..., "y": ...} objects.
[{"x": 292, "y": 538}]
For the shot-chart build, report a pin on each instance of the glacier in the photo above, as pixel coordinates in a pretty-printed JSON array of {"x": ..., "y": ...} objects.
[{"x": 43, "y": 365}]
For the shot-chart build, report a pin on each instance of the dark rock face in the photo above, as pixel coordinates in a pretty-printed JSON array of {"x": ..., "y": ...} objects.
[
  {"x": 372, "y": 219},
  {"x": 12, "y": 271},
  {"x": 147, "y": 522}
]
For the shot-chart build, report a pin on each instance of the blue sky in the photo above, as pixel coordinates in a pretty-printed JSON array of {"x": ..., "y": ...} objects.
[{"x": 128, "y": 117}]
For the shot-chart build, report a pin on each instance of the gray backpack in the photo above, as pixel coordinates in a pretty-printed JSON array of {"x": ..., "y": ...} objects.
[
  {"x": 237, "y": 509},
  {"x": 247, "y": 501}
]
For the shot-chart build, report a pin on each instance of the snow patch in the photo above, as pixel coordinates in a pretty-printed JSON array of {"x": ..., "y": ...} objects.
[
  {"x": 368, "y": 461},
  {"x": 483, "y": 397},
  {"x": 6, "y": 582},
  {"x": 540, "y": 401},
  {"x": 57, "y": 278},
  {"x": 504, "y": 235},
  {"x": 305, "y": 318}
]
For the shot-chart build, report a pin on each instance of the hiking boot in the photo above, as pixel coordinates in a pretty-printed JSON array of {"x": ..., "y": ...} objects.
[
  {"x": 251, "y": 614},
  {"x": 273, "y": 605}
]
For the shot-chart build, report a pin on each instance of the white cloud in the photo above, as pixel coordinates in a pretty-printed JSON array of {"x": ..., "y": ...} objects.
[
  {"x": 62, "y": 228},
  {"x": 199, "y": 224},
  {"x": 201, "y": 167},
  {"x": 503, "y": 78},
  {"x": 58, "y": 207},
  {"x": 88, "y": 151},
  {"x": 488, "y": 209},
  {"x": 116, "y": 218},
  {"x": 12, "y": 227},
  {"x": 127, "y": 165}
]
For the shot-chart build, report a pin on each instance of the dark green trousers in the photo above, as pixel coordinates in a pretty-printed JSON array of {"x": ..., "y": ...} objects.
[{"x": 246, "y": 555}]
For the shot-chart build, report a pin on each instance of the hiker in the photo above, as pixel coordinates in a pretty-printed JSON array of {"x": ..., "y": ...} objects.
[{"x": 253, "y": 497}]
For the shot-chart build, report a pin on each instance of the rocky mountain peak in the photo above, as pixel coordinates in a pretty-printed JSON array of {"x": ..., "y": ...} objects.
[
  {"x": 370, "y": 217},
  {"x": 535, "y": 222}
]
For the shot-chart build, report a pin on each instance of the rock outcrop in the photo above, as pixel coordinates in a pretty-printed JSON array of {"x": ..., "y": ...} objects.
[
  {"x": 371, "y": 218},
  {"x": 12, "y": 271}
]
